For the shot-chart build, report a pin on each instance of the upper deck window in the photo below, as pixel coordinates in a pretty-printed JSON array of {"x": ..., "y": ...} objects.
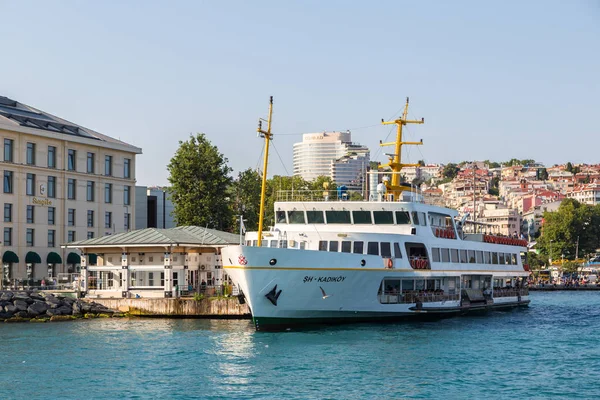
[
  {"x": 358, "y": 247},
  {"x": 383, "y": 217},
  {"x": 338, "y": 217},
  {"x": 315, "y": 217},
  {"x": 386, "y": 249},
  {"x": 346, "y": 246},
  {"x": 296, "y": 217},
  {"x": 373, "y": 248},
  {"x": 419, "y": 218},
  {"x": 280, "y": 217},
  {"x": 361, "y": 217},
  {"x": 402, "y": 218}
]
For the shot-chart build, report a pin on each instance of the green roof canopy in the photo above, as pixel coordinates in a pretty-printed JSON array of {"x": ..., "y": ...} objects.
[
  {"x": 73, "y": 258},
  {"x": 92, "y": 259},
  {"x": 53, "y": 258},
  {"x": 33, "y": 258},
  {"x": 10, "y": 257}
]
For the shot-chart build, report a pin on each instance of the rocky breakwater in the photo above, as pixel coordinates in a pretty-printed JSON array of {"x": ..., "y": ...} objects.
[{"x": 43, "y": 306}]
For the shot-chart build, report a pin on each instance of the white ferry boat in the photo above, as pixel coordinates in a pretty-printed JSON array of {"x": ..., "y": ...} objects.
[{"x": 387, "y": 258}]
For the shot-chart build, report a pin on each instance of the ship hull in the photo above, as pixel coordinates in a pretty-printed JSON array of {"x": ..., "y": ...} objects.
[{"x": 292, "y": 288}]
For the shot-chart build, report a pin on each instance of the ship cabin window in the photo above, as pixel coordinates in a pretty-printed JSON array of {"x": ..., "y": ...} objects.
[
  {"x": 358, "y": 248},
  {"x": 272, "y": 243},
  {"x": 373, "y": 248},
  {"x": 280, "y": 217},
  {"x": 383, "y": 217},
  {"x": 333, "y": 246},
  {"x": 501, "y": 258},
  {"x": 471, "y": 254},
  {"x": 386, "y": 250},
  {"x": 302, "y": 245},
  {"x": 479, "y": 256},
  {"x": 437, "y": 220},
  {"x": 337, "y": 217},
  {"x": 296, "y": 217},
  {"x": 402, "y": 218},
  {"x": 346, "y": 246},
  {"x": 435, "y": 254},
  {"x": 507, "y": 259},
  {"x": 445, "y": 255},
  {"x": 494, "y": 258},
  {"x": 463, "y": 256},
  {"x": 361, "y": 217},
  {"x": 255, "y": 243},
  {"x": 264, "y": 243},
  {"x": 248, "y": 242},
  {"x": 514, "y": 259},
  {"x": 283, "y": 244},
  {"x": 419, "y": 218},
  {"x": 416, "y": 250},
  {"x": 322, "y": 245},
  {"x": 315, "y": 217},
  {"x": 397, "y": 252},
  {"x": 486, "y": 257},
  {"x": 454, "y": 255}
]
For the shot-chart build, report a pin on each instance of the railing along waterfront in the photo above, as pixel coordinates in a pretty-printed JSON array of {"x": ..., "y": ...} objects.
[{"x": 410, "y": 297}]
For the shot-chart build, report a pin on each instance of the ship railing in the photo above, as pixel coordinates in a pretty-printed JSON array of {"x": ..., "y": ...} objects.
[
  {"x": 392, "y": 297},
  {"x": 510, "y": 292},
  {"x": 351, "y": 195}
]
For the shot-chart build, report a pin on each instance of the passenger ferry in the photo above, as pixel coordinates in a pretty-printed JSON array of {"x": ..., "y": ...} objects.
[{"x": 330, "y": 260}]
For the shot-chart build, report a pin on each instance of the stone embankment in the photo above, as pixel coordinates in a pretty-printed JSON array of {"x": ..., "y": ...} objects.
[{"x": 43, "y": 306}]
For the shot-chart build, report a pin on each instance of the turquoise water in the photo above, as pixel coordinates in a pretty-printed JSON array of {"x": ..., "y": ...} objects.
[{"x": 548, "y": 350}]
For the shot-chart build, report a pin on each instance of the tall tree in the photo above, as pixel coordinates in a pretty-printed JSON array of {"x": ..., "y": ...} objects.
[
  {"x": 199, "y": 178},
  {"x": 246, "y": 198},
  {"x": 450, "y": 170}
]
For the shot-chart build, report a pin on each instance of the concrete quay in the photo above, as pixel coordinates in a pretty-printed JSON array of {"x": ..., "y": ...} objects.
[
  {"x": 180, "y": 307},
  {"x": 553, "y": 288}
]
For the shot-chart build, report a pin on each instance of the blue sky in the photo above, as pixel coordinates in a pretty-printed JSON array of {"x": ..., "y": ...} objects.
[{"x": 494, "y": 80}]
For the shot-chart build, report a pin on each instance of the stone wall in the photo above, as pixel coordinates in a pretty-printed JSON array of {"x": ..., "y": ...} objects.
[{"x": 208, "y": 307}]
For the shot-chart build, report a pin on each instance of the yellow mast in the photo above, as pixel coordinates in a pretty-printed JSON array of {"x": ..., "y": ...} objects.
[
  {"x": 396, "y": 159},
  {"x": 268, "y": 137}
]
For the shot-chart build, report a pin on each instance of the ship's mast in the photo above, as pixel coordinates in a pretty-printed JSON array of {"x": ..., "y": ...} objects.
[
  {"x": 268, "y": 137},
  {"x": 395, "y": 163}
]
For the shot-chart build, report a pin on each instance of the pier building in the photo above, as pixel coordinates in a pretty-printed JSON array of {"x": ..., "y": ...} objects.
[
  {"x": 152, "y": 263},
  {"x": 62, "y": 182}
]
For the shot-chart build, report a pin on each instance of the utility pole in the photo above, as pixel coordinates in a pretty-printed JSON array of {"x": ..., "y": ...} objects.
[{"x": 267, "y": 135}]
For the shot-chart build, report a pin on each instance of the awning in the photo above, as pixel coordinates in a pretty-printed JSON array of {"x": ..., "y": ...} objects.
[
  {"x": 10, "y": 257},
  {"x": 73, "y": 258},
  {"x": 33, "y": 258},
  {"x": 53, "y": 258},
  {"x": 92, "y": 259}
]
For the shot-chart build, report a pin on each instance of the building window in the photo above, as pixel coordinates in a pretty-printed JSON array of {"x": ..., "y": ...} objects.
[
  {"x": 90, "y": 191},
  {"x": 90, "y": 235},
  {"x": 29, "y": 237},
  {"x": 7, "y": 212},
  {"x": 51, "y": 237},
  {"x": 108, "y": 193},
  {"x": 71, "y": 189},
  {"x": 90, "y": 218},
  {"x": 71, "y": 160},
  {"x": 8, "y": 150},
  {"x": 127, "y": 195},
  {"x": 52, "y": 187},
  {"x": 30, "y": 188},
  {"x": 127, "y": 221},
  {"x": 7, "y": 237},
  {"x": 71, "y": 236},
  {"x": 150, "y": 278},
  {"x": 91, "y": 158},
  {"x": 127, "y": 168},
  {"x": 108, "y": 165},
  {"x": 51, "y": 215},
  {"x": 51, "y": 157},
  {"x": 71, "y": 217},
  {"x": 8, "y": 182},
  {"x": 30, "y": 214},
  {"x": 30, "y": 156},
  {"x": 107, "y": 219}
]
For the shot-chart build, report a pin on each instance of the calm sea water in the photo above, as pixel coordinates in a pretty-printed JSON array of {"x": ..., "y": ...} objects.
[{"x": 548, "y": 350}]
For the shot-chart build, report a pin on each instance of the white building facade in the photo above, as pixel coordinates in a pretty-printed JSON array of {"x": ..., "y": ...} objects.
[
  {"x": 61, "y": 183},
  {"x": 334, "y": 155}
]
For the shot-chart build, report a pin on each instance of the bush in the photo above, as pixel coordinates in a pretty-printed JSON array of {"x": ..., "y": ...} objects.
[{"x": 198, "y": 296}]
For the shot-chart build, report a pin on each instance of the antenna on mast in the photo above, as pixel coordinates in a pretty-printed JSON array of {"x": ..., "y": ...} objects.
[{"x": 268, "y": 136}]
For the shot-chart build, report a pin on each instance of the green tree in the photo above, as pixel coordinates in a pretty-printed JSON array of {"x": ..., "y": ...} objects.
[
  {"x": 199, "y": 178},
  {"x": 287, "y": 188},
  {"x": 569, "y": 167},
  {"x": 492, "y": 164},
  {"x": 450, "y": 171},
  {"x": 246, "y": 198},
  {"x": 494, "y": 187},
  {"x": 317, "y": 184},
  {"x": 421, "y": 163},
  {"x": 543, "y": 174}
]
